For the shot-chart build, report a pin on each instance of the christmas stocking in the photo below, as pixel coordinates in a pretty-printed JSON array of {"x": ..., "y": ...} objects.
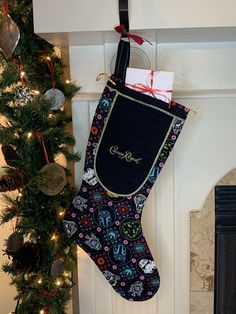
[{"x": 131, "y": 137}]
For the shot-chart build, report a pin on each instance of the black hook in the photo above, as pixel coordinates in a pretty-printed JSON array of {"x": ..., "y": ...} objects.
[{"x": 124, "y": 14}]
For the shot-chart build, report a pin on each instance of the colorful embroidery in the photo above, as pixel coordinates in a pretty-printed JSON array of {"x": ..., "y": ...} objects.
[{"x": 108, "y": 226}]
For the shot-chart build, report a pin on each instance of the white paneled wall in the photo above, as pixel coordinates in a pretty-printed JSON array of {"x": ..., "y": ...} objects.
[
  {"x": 88, "y": 61},
  {"x": 205, "y": 151},
  {"x": 197, "y": 66}
]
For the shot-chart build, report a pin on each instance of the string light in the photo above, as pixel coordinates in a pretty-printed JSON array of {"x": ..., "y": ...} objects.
[
  {"x": 36, "y": 92},
  {"x": 67, "y": 81},
  {"x": 58, "y": 282},
  {"x": 78, "y": 251},
  {"x": 61, "y": 214},
  {"x": 40, "y": 281},
  {"x": 50, "y": 116},
  {"x": 48, "y": 58},
  {"x": 54, "y": 237},
  {"x": 20, "y": 194},
  {"x": 66, "y": 274},
  {"x": 42, "y": 312},
  {"x": 29, "y": 135},
  {"x": 22, "y": 74}
]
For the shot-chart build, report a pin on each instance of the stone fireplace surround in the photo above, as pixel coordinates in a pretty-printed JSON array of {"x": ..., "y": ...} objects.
[{"x": 202, "y": 237}]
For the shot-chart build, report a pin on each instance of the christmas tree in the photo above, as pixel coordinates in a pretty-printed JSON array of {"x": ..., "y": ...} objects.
[{"x": 33, "y": 135}]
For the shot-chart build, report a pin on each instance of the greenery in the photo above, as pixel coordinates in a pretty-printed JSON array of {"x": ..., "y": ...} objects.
[{"x": 34, "y": 68}]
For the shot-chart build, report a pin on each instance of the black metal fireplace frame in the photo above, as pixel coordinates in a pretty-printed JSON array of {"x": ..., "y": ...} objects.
[{"x": 225, "y": 250}]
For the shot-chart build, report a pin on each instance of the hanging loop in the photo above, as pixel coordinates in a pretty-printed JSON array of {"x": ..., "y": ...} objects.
[
  {"x": 124, "y": 15},
  {"x": 123, "y": 53}
]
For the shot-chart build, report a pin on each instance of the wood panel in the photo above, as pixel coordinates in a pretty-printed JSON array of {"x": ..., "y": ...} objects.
[{"x": 204, "y": 80}]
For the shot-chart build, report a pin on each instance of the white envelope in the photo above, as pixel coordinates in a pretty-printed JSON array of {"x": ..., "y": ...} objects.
[{"x": 158, "y": 84}]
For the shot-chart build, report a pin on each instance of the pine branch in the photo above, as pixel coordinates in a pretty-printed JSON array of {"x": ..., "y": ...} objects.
[
  {"x": 8, "y": 214},
  {"x": 38, "y": 216}
]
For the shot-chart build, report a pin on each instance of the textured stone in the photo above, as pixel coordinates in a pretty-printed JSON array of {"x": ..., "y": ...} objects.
[
  {"x": 202, "y": 248},
  {"x": 201, "y": 303}
]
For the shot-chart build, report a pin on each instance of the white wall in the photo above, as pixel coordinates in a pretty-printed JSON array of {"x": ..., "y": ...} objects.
[
  {"x": 7, "y": 292},
  {"x": 205, "y": 80},
  {"x": 93, "y": 15}
]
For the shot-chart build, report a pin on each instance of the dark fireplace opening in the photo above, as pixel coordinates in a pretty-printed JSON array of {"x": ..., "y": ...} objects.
[{"x": 225, "y": 250}]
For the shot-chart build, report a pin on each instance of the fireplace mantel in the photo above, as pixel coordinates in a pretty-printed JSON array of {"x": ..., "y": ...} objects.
[{"x": 91, "y": 22}]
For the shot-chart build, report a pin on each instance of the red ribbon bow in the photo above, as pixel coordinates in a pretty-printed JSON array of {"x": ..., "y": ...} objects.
[
  {"x": 149, "y": 89},
  {"x": 122, "y": 30}
]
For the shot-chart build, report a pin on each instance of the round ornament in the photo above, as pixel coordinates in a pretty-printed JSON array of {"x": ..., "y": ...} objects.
[
  {"x": 56, "y": 96},
  {"x": 57, "y": 268},
  {"x": 14, "y": 242},
  {"x": 55, "y": 176}
]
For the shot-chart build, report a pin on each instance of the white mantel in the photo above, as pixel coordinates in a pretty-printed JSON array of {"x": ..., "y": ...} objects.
[{"x": 91, "y": 22}]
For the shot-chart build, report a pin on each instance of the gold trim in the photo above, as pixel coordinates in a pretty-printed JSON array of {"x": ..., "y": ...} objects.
[
  {"x": 148, "y": 105},
  {"x": 106, "y": 76},
  {"x": 174, "y": 118},
  {"x": 192, "y": 112}
]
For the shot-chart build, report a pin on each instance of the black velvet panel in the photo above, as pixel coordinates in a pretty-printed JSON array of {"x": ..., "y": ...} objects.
[
  {"x": 129, "y": 146},
  {"x": 174, "y": 108}
]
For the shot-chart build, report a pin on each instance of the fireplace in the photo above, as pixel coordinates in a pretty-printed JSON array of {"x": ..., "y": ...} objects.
[{"x": 225, "y": 250}]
